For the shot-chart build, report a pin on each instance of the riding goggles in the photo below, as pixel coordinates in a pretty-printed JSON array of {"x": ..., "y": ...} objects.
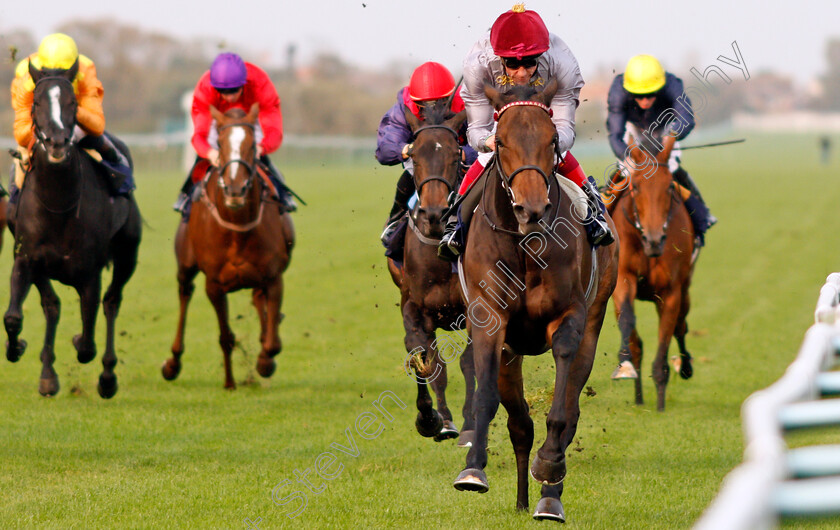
[{"x": 526, "y": 62}]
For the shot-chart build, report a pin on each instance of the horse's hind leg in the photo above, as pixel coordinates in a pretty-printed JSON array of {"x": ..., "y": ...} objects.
[
  {"x": 48, "y": 385},
  {"x": 125, "y": 246},
  {"x": 270, "y": 327},
  {"x": 187, "y": 271},
  {"x": 218, "y": 298},
  {"x": 89, "y": 301},
  {"x": 21, "y": 281},
  {"x": 520, "y": 425},
  {"x": 686, "y": 370}
]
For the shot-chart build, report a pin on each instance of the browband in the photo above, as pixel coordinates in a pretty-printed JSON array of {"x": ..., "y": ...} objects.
[{"x": 498, "y": 113}]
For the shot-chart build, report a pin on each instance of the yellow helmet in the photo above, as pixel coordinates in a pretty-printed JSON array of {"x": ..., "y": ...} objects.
[
  {"x": 643, "y": 75},
  {"x": 57, "y": 51}
]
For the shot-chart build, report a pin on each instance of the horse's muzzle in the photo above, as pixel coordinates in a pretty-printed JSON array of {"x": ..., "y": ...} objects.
[
  {"x": 529, "y": 217},
  {"x": 653, "y": 246}
]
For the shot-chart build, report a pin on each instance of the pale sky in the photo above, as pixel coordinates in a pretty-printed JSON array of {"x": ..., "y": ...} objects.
[{"x": 788, "y": 37}]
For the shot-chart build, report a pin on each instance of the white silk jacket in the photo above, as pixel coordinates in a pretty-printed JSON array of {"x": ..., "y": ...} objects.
[{"x": 482, "y": 65}]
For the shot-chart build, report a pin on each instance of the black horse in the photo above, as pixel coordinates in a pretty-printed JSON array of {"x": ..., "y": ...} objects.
[{"x": 67, "y": 227}]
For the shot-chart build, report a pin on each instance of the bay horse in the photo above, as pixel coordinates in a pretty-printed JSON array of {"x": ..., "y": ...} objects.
[
  {"x": 430, "y": 296},
  {"x": 67, "y": 227},
  {"x": 237, "y": 236},
  {"x": 655, "y": 264},
  {"x": 532, "y": 284}
]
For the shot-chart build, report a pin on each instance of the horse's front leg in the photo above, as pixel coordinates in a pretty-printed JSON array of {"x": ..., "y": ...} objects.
[
  {"x": 549, "y": 465},
  {"x": 680, "y": 331},
  {"x": 89, "y": 293},
  {"x": 467, "y": 435},
  {"x": 20, "y": 282},
  {"x": 487, "y": 351},
  {"x": 270, "y": 324},
  {"x": 520, "y": 426},
  {"x": 669, "y": 310},
  {"x": 218, "y": 297},
  {"x": 187, "y": 271},
  {"x": 419, "y": 347},
  {"x": 48, "y": 385},
  {"x": 628, "y": 366}
]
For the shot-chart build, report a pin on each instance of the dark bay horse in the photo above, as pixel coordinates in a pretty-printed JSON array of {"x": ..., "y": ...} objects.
[
  {"x": 430, "y": 295},
  {"x": 655, "y": 264},
  {"x": 238, "y": 238},
  {"x": 67, "y": 227},
  {"x": 532, "y": 285}
]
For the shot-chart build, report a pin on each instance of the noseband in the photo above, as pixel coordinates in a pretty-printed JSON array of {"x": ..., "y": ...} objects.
[{"x": 252, "y": 168}]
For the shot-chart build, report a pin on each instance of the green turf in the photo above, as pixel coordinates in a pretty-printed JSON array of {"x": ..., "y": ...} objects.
[{"x": 188, "y": 454}]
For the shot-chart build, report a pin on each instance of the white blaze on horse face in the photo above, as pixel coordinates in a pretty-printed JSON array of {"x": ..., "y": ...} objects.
[
  {"x": 55, "y": 106},
  {"x": 438, "y": 147},
  {"x": 237, "y": 136}
]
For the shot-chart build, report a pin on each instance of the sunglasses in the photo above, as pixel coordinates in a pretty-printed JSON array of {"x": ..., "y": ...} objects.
[
  {"x": 645, "y": 96},
  {"x": 526, "y": 62},
  {"x": 228, "y": 91}
]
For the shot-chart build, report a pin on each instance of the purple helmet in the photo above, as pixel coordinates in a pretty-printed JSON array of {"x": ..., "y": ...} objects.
[{"x": 228, "y": 71}]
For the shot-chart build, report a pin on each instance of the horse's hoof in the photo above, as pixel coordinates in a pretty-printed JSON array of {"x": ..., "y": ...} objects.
[
  {"x": 448, "y": 431},
  {"x": 625, "y": 370},
  {"x": 266, "y": 366},
  {"x": 428, "y": 428},
  {"x": 686, "y": 371},
  {"x": 83, "y": 355},
  {"x": 550, "y": 509},
  {"x": 466, "y": 438},
  {"x": 547, "y": 472},
  {"x": 48, "y": 387},
  {"x": 472, "y": 479},
  {"x": 170, "y": 369},
  {"x": 107, "y": 386},
  {"x": 14, "y": 354}
]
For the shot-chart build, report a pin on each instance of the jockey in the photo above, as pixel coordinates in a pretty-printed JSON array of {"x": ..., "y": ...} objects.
[
  {"x": 59, "y": 51},
  {"x": 231, "y": 82},
  {"x": 638, "y": 99},
  {"x": 519, "y": 50},
  {"x": 429, "y": 83}
]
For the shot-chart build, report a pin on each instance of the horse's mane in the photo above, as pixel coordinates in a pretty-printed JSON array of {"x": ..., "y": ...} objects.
[
  {"x": 520, "y": 92},
  {"x": 438, "y": 113},
  {"x": 235, "y": 112}
]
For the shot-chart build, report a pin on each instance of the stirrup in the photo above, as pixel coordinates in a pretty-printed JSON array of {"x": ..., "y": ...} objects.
[
  {"x": 599, "y": 233},
  {"x": 389, "y": 231},
  {"x": 448, "y": 248}
]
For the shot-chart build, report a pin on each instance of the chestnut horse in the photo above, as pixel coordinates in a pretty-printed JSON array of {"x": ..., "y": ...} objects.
[
  {"x": 239, "y": 239},
  {"x": 68, "y": 227},
  {"x": 533, "y": 284},
  {"x": 430, "y": 295},
  {"x": 655, "y": 264}
]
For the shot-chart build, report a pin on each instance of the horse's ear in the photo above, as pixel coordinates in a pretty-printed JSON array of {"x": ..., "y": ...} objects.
[
  {"x": 668, "y": 142},
  {"x": 254, "y": 113},
  {"x": 34, "y": 73},
  {"x": 456, "y": 121},
  {"x": 73, "y": 70},
  {"x": 218, "y": 116},
  {"x": 548, "y": 92},
  {"x": 493, "y": 95},
  {"x": 412, "y": 120}
]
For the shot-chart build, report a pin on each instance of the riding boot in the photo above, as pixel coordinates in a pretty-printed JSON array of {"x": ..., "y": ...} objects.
[
  {"x": 287, "y": 202},
  {"x": 682, "y": 178},
  {"x": 701, "y": 219},
  {"x": 114, "y": 160},
  {"x": 405, "y": 188},
  {"x": 597, "y": 230},
  {"x": 182, "y": 203},
  {"x": 454, "y": 240}
]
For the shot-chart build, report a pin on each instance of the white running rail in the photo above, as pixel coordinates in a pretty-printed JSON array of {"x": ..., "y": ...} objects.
[{"x": 774, "y": 481}]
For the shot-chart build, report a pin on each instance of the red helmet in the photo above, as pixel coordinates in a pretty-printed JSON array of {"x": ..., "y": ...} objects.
[
  {"x": 519, "y": 33},
  {"x": 430, "y": 81}
]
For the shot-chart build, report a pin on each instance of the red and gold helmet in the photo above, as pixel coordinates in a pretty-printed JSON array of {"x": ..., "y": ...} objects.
[
  {"x": 519, "y": 33},
  {"x": 430, "y": 80}
]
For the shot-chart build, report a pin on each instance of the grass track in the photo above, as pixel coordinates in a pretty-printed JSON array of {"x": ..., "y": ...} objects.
[{"x": 188, "y": 454}]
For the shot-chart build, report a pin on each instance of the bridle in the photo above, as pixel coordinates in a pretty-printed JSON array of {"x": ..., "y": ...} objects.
[
  {"x": 251, "y": 167},
  {"x": 636, "y": 221},
  {"x": 507, "y": 179},
  {"x": 40, "y": 136}
]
